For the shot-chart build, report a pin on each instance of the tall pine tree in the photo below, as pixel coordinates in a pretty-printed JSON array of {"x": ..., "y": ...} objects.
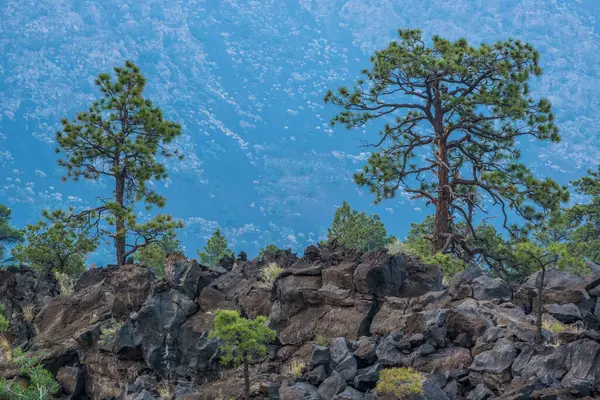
[
  {"x": 121, "y": 138},
  {"x": 456, "y": 113}
]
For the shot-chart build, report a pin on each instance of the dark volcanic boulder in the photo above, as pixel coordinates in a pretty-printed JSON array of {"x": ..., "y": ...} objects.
[
  {"x": 299, "y": 391},
  {"x": 237, "y": 289},
  {"x": 331, "y": 386},
  {"x": 21, "y": 290},
  {"x": 478, "y": 284},
  {"x": 398, "y": 276},
  {"x": 560, "y": 287},
  {"x": 335, "y": 292},
  {"x": 565, "y": 313},
  {"x": 66, "y": 322},
  {"x": 172, "y": 336},
  {"x": 71, "y": 380}
]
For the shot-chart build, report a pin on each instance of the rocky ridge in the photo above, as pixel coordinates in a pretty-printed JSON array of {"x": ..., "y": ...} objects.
[{"x": 122, "y": 333}]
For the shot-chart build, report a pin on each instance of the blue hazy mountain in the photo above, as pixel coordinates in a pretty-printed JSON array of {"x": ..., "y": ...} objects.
[{"x": 246, "y": 79}]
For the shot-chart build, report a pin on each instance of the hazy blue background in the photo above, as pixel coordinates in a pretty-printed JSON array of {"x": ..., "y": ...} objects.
[{"x": 246, "y": 80}]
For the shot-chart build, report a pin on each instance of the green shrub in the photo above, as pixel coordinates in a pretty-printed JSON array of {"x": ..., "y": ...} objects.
[
  {"x": 420, "y": 248},
  {"x": 399, "y": 383},
  {"x": 41, "y": 383},
  {"x": 4, "y": 326},
  {"x": 270, "y": 272},
  {"x": 4, "y": 322}
]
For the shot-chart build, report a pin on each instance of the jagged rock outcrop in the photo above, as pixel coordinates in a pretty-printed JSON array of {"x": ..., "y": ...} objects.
[
  {"x": 472, "y": 342},
  {"x": 22, "y": 296},
  {"x": 122, "y": 333},
  {"x": 335, "y": 292}
]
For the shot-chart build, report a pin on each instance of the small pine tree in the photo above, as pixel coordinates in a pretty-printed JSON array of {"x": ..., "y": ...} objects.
[
  {"x": 41, "y": 383},
  {"x": 155, "y": 254},
  {"x": 268, "y": 249},
  {"x": 242, "y": 340},
  {"x": 8, "y": 234},
  {"x": 357, "y": 231},
  {"x": 55, "y": 248},
  {"x": 216, "y": 248},
  {"x": 540, "y": 256}
]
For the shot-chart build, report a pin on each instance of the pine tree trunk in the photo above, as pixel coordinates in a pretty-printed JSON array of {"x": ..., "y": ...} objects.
[
  {"x": 120, "y": 220},
  {"x": 538, "y": 332},
  {"x": 246, "y": 380},
  {"x": 442, "y": 206}
]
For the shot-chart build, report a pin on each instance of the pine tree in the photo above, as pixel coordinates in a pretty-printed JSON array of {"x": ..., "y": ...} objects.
[
  {"x": 241, "y": 340},
  {"x": 121, "y": 138},
  {"x": 155, "y": 254},
  {"x": 215, "y": 249},
  {"x": 539, "y": 255},
  {"x": 582, "y": 221},
  {"x": 457, "y": 113},
  {"x": 55, "y": 248},
  {"x": 357, "y": 231},
  {"x": 8, "y": 234}
]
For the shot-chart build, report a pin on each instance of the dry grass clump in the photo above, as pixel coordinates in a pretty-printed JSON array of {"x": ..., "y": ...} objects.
[
  {"x": 165, "y": 391},
  {"x": 296, "y": 368},
  {"x": 29, "y": 312},
  {"x": 269, "y": 273},
  {"x": 558, "y": 327}
]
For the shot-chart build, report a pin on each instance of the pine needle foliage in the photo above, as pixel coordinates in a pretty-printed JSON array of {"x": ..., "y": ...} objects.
[
  {"x": 123, "y": 138},
  {"x": 241, "y": 340},
  {"x": 216, "y": 248},
  {"x": 451, "y": 116},
  {"x": 357, "y": 231}
]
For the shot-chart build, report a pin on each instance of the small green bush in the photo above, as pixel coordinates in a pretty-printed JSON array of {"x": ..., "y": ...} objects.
[
  {"x": 421, "y": 248},
  {"x": 399, "y": 383},
  {"x": 41, "y": 383},
  {"x": 4, "y": 322},
  {"x": 270, "y": 272},
  {"x": 4, "y": 326}
]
